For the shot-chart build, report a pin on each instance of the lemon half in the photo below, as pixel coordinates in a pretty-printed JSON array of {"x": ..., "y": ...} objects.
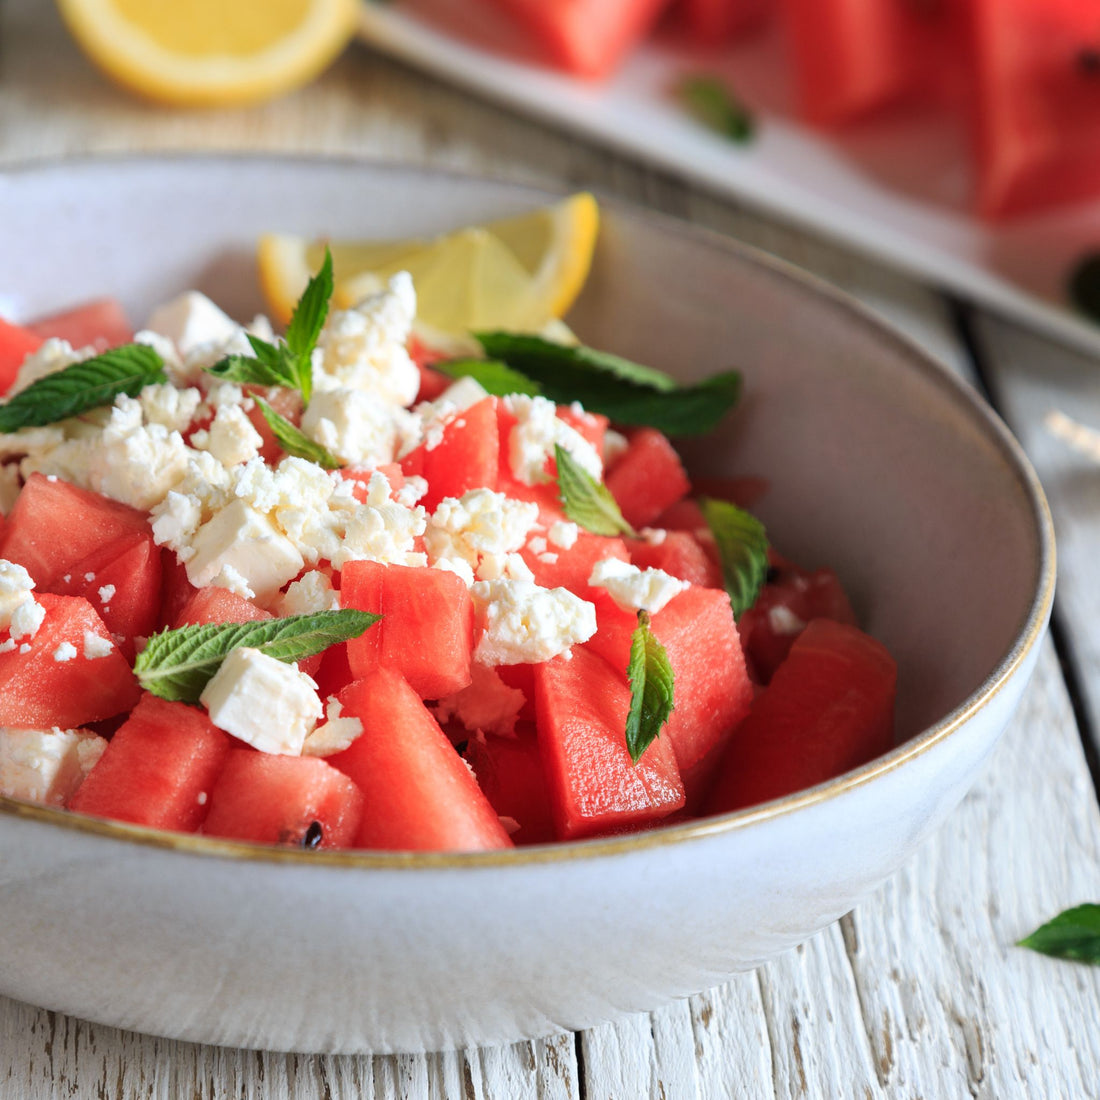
[
  {"x": 210, "y": 52},
  {"x": 519, "y": 273}
]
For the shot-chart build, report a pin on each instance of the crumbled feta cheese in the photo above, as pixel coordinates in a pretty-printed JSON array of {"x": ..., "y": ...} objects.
[
  {"x": 356, "y": 426},
  {"x": 193, "y": 323},
  {"x": 169, "y": 406},
  {"x": 231, "y": 437},
  {"x": 521, "y": 623},
  {"x": 46, "y": 765},
  {"x": 365, "y": 348},
  {"x": 336, "y": 734},
  {"x": 66, "y": 651},
  {"x": 487, "y": 704},
  {"x": 783, "y": 620},
  {"x": 270, "y": 705},
  {"x": 106, "y": 593},
  {"x": 564, "y": 534},
  {"x": 635, "y": 589},
  {"x": 19, "y": 611},
  {"x": 615, "y": 445},
  {"x": 477, "y": 523},
  {"x": 654, "y": 536},
  {"x": 533, "y": 437},
  {"x": 96, "y": 646},
  {"x": 495, "y": 567},
  {"x": 309, "y": 595},
  {"x": 414, "y": 489},
  {"x": 243, "y": 550}
]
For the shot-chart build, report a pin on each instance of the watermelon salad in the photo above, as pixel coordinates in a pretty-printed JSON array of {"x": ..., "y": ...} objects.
[{"x": 330, "y": 591}]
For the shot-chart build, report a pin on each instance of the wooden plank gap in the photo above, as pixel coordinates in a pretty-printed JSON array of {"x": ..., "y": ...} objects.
[{"x": 881, "y": 1059}]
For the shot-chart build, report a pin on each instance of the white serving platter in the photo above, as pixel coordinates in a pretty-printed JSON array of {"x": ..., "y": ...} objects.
[{"x": 897, "y": 189}]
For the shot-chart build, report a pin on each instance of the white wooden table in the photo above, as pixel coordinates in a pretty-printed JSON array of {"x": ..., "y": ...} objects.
[{"x": 920, "y": 992}]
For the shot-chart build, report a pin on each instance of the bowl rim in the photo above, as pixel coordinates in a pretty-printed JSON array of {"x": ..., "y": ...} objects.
[{"x": 1026, "y": 639}]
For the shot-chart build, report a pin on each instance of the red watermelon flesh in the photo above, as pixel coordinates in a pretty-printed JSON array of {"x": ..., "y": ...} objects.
[
  {"x": 427, "y": 628},
  {"x": 218, "y": 605},
  {"x": 158, "y": 769},
  {"x": 712, "y": 686},
  {"x": 648, "y": 478},
  {"x": 54, "y": 526},
  {"x": 53, "y": 683},
  {"x": 680, "y": 554},
  {"x": 509, "y": 770},
  {"x": 572, "y": 568},
  {"x": 420, "y": 795},
  {"x": 101, "y": 324},
  {"x": 595, "y": 788},
  {"x": 16, "y": 343},
  {"x": 829, "y": 708},
  {"x": 293, "y": 801}
]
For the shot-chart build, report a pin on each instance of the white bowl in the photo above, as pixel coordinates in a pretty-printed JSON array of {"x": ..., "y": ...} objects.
[{"x": 883, "y": 466}]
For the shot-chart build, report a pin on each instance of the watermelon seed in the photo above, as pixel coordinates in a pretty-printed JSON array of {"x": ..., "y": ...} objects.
[{"x": 312, "y": 837}]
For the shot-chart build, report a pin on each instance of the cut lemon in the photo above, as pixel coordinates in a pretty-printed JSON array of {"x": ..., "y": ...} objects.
[
  {"x": 519, "y": 273},
  {"x": 210, "y": 52}
]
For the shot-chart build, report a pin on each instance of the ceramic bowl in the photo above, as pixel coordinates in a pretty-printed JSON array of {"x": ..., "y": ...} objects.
[{"x": 882, "y": 465}]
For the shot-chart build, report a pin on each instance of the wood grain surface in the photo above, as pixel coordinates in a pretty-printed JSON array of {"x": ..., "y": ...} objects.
[{"x": 920, "y": 992}]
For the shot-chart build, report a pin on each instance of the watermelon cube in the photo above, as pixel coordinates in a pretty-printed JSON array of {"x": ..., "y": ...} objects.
[
  {"x": 16, "y": 343},
  {"x": 648, "y": 478},
  {"x": 509, "y": 770}
]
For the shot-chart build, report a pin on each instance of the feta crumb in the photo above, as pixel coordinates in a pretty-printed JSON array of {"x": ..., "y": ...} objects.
[
  {"x": 783, "y": 620},
  {"x": 521, "y": 623},
  {"x": 96, "y": 646},
  {"x": 106, "y": 593},
  {"x": 635, "y": 589},
  {"x": 487, "y": 704},
  {"x": 336, "y": 734},
  {"x": 531, "y": 441},
  {"x": 51, "y": 356},
  {"x": 270, "y": 705},
  {"x": 19, "y": 611},
  {"x": 231, "y": 438},
  {"x": 46, "y": 765},
  {"x": 356, "y": 426},
  {"x": 309, "y": 595},
  {"x": 564, "y": 534},
  {"x": 615, "y": 445},
  {"x": 480, "y": 522},
  {"x": 65, "y": 652}
]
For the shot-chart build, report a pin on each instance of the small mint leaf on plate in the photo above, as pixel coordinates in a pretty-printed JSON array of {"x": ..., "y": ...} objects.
[
  {"x": 293, "y": 440},
  {"x": 742, "y": 549},
  {"x": 652, "y": 686},
  {"x": 586, "y": 501}
]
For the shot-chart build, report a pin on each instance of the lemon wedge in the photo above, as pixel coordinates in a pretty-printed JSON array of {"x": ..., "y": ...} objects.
[
  {"x": 210, "y": 52},
  {"x": 520, "y": 273}
]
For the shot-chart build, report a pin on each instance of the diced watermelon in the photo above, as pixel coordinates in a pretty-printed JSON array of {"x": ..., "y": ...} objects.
[
  {"x": 361, "y": 478},
  {"x": 294, "y": 801},
  {"x": 594, "y": 786},
  {"x": 427, "y": 627},
  {"x": 509, "y": 770},
  {"x": 53, "y": 683},
  {"x": 122, "y": 581},
  {"x": 287, "y": 403},
  {"x": 712, "y": 686},
  {"x": 573, "y": 567},
  {"x": 648, "y": 478},
  {"x": 176, "y": 588},
  {"x": 100, "y": 324},
  {"x": 333, "y": 670},
  {"x": 680, "y": 554},
  {"x": 54, "y": 526},
  {"x": 218, "y": 605},
  {"x": 420, "y": 795},
  {"x": 16, "y": 344},
  {"x": 432, "y": 383},
  {"x": 713, "y": 22},
  {"x": 158, "y": 769},
  {"x": 768, "y": 629},
  {"x": 829, "y": 708},
  {"x": 467, "y": 455},
  {"x": 522, "y": 678}
]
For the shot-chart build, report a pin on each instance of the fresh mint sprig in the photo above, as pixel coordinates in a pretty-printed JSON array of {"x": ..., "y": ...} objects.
[
  {"x": 586, "y": 501},
  {"x": 742, "y": 549},
  {"x": 178, "y": 664},
  {"x": 1073, "y": 934},
  {"x": 711, "y": 101},
  {"x": 83, "y": 386},
  {"x": 627, "y": 392},
  {"x": 652, "y": 688},
  {"x": 293, "y": 440},
  {"x": 289, "y": 363}
]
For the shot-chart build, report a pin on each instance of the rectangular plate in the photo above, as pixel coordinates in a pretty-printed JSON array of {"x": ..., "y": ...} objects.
[{"x": 895, "y": 189}]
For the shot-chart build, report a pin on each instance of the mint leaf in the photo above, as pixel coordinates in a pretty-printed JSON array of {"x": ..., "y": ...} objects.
[
  {"x": 306, "y": 323},
  {"x": 585, "y": 500},
  {"x": 293, "y": 440},
  {"x": 712, "y": 103},
  {"x": 289, "y": 363},
  {"x": 178, "y": 664},
  {"x": 82, "y": 386},
  {"x": 1074, "y": 934},
  {"x": 495, "y": 377},
  {"x": 743, "y": 550},
  {"x": 627, "y": 392},
  {"x": 652, "y": 686}
]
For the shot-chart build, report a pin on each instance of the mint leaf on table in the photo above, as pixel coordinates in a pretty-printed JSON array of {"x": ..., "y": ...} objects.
[
  {"x": 742, "y": 549},
  {"x": 586, "y": 501},
  {"x": 495, "y": 378},
  {"x": 83, "y": 386},
  {"x": 711, "y": 101},
  {"x": 293, "y": 440},
  {"x": 651, "y": 689},
  {"x": 1074, "y": 934},
  {"x": 627, "y": 392},
  {"x": 178, "y": 664},
  {"x": 289, "y": 363}
]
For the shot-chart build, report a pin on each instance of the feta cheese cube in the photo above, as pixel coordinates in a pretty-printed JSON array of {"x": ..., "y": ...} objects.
[
  {"x": 268, "y": 704},
  {"x": 46, "y": 765},
  {"x": 635, "y": 589},
  {"x": 521, "y": 623}
]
